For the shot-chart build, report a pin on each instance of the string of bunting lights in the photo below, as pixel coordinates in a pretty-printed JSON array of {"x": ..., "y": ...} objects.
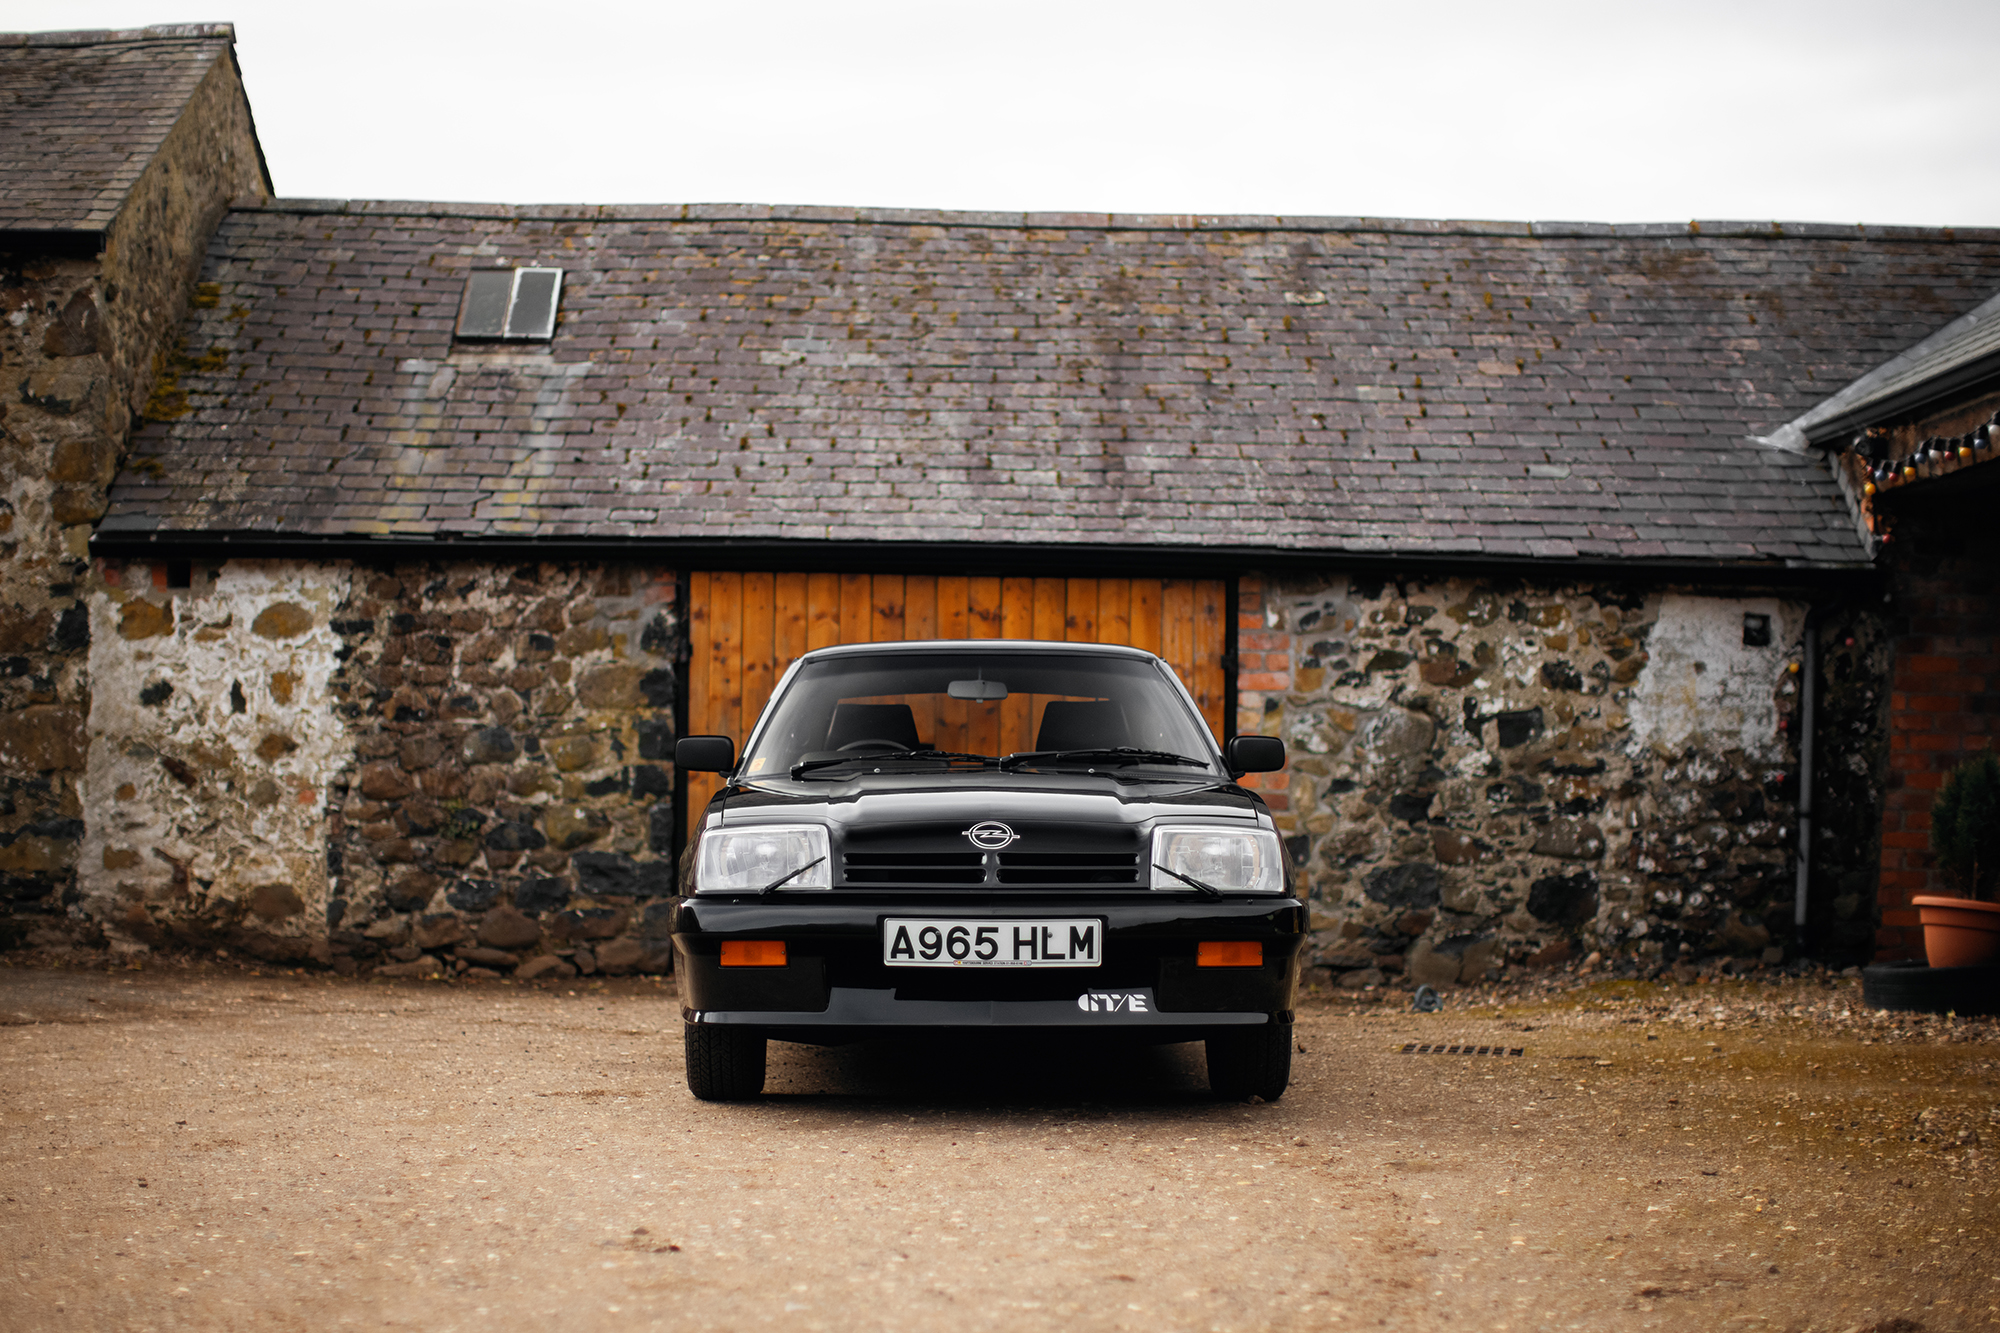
[{"x": 1937, "y": 450}]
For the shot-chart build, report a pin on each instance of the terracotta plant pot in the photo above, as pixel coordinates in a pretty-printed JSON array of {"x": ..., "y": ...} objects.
[{"x": 1959, "y": 932}]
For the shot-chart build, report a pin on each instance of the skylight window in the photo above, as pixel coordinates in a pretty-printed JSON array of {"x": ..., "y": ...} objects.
[{"x": 510, "y": 303}]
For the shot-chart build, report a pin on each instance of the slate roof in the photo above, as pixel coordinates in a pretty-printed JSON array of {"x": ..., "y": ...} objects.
[
  {"x": 1962, "y": 352},
  {"x": 719, "y": 373},
  {"x": 82, "y": 113}
]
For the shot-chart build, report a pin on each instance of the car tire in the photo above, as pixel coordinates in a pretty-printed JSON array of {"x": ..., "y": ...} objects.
[
  {"x": 1914, "y": 988},
  {"x": 1251, "y": 1062},
  {"x": 724, "y": 1064}
]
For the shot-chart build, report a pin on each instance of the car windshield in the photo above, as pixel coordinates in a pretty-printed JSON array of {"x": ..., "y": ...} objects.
[{"x": 1030, "y": 709}]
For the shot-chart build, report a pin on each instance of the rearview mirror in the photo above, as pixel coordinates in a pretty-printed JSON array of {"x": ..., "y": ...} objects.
[
  {"x": 705, "y": 754},
  {"x": 1255, "y": 754},
  {"x": 984, "y": 690}
]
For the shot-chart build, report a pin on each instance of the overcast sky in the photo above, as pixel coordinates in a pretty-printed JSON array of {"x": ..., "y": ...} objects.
[{"x": 1535, "y": 109}]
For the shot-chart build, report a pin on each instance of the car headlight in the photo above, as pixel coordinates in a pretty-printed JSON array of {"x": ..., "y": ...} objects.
[
  {"x": 750, "y": 860},
  {"x": 1231, "y": 860}
]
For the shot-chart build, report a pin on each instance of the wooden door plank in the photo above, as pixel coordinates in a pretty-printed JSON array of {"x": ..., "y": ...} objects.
[
  {"x": 759, "y": 656},
  {"x": 953, "y": 596},
  {"x": 1080, "y": 611},
  {"x": 1051, "y": 600},
  {"x": 986, "y": 609},
  {"x": 698, "y": 654},
  {"x": 920, "y": 614},
  {"x": 1114, "y": 611},
  {"x": 885, "y": 608},
  {"x": 725, "y": 660},
  {"x": 1017, "y": 608},
  {"x": 822, "y": 610},
  {"x": 920, "y": 607},
  {"x": 714, "y": 659},
  {"x": 1207, "y": 646},
  {"x": 789, "y": 603},
  {"x": 1146, "y": 613},
  {"x": 1177, "y": 628},
  {"x": 1015, "y": 713},
  {"x": 856, "y": 592},
  {"x": 954, "y": 605}
]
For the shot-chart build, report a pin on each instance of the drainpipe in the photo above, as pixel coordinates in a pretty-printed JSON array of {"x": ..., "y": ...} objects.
[{"x": 1808, "y": 705}]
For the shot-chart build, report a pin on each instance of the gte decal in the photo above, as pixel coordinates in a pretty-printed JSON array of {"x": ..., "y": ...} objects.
[{"x": 1112, "y": 1002}]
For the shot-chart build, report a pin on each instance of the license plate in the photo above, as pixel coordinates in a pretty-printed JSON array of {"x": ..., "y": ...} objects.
[{"x": 930, "y": 942}]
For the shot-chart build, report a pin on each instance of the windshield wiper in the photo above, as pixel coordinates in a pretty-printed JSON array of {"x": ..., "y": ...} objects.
[
  {"x": 786, "y": 879},
  {"x": 877, "y": 756},
  {"x": 1208, "y": 889},
  {"x": 1110, "y": 754}
]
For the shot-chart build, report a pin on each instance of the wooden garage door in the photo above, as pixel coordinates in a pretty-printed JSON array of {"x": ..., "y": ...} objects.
[{"x": 745, "y": 629}]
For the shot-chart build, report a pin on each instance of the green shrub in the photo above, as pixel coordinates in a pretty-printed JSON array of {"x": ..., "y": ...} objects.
[{"x": 1965, "y": 826}]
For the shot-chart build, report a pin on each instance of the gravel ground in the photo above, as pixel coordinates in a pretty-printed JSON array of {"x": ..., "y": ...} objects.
[{"x": 206, "y": 1148}]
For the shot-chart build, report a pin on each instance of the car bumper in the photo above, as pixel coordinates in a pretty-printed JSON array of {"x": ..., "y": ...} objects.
[{"x": 834, "y": 986}]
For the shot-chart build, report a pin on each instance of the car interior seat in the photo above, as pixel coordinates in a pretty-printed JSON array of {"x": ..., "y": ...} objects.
[
  {"x": 1085, "y": 724},
  {"x": 872, "y": 722}
]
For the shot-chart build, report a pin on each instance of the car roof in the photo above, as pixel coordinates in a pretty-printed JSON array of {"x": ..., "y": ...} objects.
[{"x": 980, "y": 646}]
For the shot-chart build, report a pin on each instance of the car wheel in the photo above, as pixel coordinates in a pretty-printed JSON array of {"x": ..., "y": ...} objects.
[
  {"x": 1251, "y": 1062},
  {"x": 1914, "y": 988},
  {"x": 724, "y": 1064}
]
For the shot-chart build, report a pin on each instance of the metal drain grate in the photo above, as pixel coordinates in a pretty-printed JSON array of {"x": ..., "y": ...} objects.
[{"x": 1439, "y": 1048}]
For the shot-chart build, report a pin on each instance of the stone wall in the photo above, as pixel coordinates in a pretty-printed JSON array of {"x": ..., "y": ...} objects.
[
  {"x": 1850, "y": 778},
  {"x": 57, "y": 425},
  {"x": 412, "y": 770},
  {"x": 509, "y": 807},
  {"x": 82, "y": 339},
  {"x": 213, "y": 747},
  {"x": 1485, "y": 774},
  {"x": 463, "y": 766}
]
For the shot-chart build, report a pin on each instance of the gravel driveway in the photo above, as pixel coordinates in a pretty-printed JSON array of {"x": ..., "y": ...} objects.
[{"x": 219, "y": 1150}]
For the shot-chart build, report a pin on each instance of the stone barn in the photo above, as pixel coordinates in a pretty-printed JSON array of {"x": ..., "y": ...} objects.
[{"x": 435, "y": 524}]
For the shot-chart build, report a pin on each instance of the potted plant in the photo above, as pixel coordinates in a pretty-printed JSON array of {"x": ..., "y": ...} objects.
[{"x": 1964, "y": 931}]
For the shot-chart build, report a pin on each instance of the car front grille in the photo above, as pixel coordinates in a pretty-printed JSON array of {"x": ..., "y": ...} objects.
[
  {"x": 1044, "y": 858},
  {"x": 941, "y": 868},
  {"x": 1069, "y": 868}
]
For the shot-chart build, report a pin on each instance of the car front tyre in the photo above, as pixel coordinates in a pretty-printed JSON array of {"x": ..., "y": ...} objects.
[
  {"x": 724, "y": 1064},
  {"x": 1250, "y": 1062}
]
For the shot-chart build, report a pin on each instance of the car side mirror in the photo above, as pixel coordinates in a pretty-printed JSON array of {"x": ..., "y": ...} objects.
[
  {"x": 1254, "y": 754},
  {"x": 705, "y": 754}
]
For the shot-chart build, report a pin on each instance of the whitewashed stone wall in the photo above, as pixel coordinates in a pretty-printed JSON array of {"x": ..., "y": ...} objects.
[
  {"x": 213, "y": 748},
  {"x": 1485, "y": 774}
]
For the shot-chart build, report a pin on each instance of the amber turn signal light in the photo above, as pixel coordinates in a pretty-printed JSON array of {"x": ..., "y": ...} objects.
[
  {"x": 1229, "y": 953},
  {"x": 753, "y": 953}
]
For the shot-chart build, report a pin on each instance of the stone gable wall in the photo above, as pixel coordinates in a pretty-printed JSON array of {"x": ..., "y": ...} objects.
[
  {"x": 1488, "y": 774},
  {"x": 82, "y": 342}
]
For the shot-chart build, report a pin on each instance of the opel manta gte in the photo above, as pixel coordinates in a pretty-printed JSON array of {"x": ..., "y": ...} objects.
[{"x": 1037, "y": 837}]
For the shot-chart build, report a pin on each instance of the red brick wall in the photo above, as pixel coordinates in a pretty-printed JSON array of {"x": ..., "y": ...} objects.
[
  {"x": 1941, "y": 710},
  {"x": 1263, "y": 663}
]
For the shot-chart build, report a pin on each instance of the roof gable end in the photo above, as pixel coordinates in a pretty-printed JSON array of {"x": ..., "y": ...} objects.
[{"x": 83, "y": 113}]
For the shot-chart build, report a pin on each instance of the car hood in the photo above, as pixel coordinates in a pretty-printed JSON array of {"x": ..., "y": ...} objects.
[{"x": 933, "y": 805}]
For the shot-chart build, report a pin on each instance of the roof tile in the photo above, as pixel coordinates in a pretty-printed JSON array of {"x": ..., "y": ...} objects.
[{"x": 1341, "y": 385}]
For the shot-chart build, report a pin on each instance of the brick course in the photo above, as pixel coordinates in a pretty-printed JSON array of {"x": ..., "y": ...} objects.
[{"x": 1946, "y": 631}]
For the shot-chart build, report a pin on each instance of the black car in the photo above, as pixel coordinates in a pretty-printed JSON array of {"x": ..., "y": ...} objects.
[{"x": 985, "y": 834}]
